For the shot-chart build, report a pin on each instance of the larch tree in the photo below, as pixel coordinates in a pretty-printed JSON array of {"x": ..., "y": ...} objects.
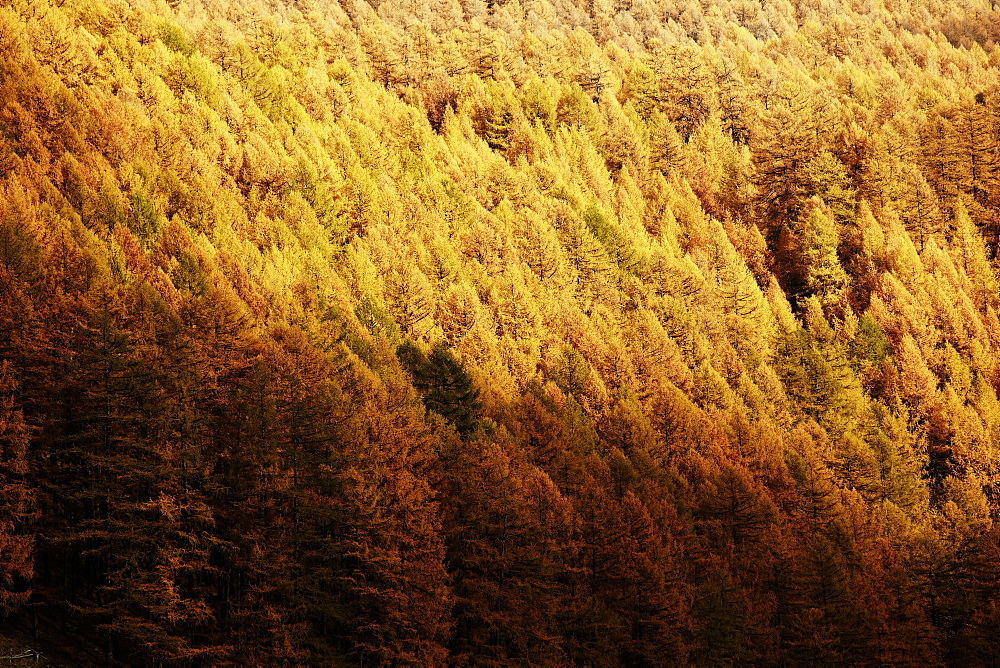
[
  {"x": 824, "y": 275},
  {"x": 18, "y": 500}
]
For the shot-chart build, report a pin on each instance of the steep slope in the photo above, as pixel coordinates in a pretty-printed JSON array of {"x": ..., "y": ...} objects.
[{"x": 620, "y": 333}]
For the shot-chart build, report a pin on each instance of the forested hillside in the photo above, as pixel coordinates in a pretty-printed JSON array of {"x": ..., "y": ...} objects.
[{"x": 599, "y": 332}]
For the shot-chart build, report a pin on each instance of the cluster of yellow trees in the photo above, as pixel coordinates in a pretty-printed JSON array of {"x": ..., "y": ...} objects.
[{"x": 615, "y": 332}]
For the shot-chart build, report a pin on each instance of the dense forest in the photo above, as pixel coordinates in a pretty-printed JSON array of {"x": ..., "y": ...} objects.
[{"x": 524, "y": 332}]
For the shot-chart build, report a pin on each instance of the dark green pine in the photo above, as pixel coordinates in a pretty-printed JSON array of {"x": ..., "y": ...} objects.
[{"x": 444, "y": 383}]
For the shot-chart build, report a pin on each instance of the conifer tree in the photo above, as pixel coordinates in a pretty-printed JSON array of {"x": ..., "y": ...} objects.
[
  {"x": 824, "y": 276},
  {"x": 446, "y": 387},
  {"x": 17, "y": 504}
]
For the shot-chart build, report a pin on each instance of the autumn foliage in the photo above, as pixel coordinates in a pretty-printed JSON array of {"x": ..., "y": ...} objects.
[{"x": 610, "y": 332}]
